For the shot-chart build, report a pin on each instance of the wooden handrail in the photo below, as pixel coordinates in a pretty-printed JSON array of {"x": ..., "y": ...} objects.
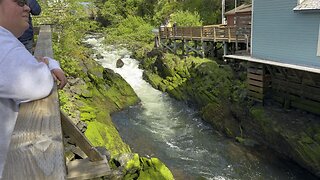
[
  {"x": 36, "y": 149},
  {"x": 215, "y": 33}
]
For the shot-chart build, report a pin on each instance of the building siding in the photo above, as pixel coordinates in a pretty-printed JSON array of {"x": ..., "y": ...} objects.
[{"x": 282, "y": 35}]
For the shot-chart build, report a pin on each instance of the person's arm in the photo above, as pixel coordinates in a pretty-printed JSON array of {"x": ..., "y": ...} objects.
[
  {"x": 23, "y": 78},
  {"x": 35, "y": 8},
  {"x": 55, "y": 69}
]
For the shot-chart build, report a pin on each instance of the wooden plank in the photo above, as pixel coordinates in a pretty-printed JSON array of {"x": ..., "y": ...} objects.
[
  {"x": 255, "y": 76},
  {"x": 36, "y": 149},
  {"x": 85, "y": 169},
  {"x": 278, "y": 98},
  {"x": 71, "y": 130},
  {"x": 297, "y": 89},
  {"x": 255, "y": 95},
  {"x": 44, "y": 42},
  {"x": 296, "y": 100},
  {"x": 256, "y": 89},
  {"x": 255, "y": 71},
  {"x": 306, "y": 105},
  {"x": 256, "y": 83},
  {"x": 255, "y": 65}
]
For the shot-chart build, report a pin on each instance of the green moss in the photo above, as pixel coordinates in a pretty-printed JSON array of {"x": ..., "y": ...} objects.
[
  {"x": 85, "y": 116},
  {"x": 258, "y": 114},
  {"x": 134, "y": 163},
  {"x": 154, "y": 169},
  {"x": 152, "y": 78},
  {"x": 119, "y": 91},
  {"x": 106, "y": 135},
  {"x": 131, "y": 176},
  {"x": 317, "y": 137}
]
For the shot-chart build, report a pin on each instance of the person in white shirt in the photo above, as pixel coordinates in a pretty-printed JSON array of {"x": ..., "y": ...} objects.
[{"x": 22, "y": 77}]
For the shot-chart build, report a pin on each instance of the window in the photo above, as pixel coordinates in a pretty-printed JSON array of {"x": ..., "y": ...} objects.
[{"x": 318, "y": 49}]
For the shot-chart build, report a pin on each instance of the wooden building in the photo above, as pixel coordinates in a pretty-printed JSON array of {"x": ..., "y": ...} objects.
[
  {"x": 240, "y": 16},
  {"x": 285, "y": 53}
]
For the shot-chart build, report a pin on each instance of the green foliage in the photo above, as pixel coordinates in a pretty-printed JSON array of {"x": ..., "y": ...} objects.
[
  {"x": 158, "y": 12},
  {"x": 186, "y": 18},
  {"x": 132, "y": 31},
  {"x": 112, "y": 11},
  {"x": 163, "y": 9},
  {"x": 209, "y": 10}
]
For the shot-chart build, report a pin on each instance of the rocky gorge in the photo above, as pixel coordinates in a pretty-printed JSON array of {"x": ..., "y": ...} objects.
[
  {"x": 93, "y": 93},
  {"x": 220, "y": 93}
]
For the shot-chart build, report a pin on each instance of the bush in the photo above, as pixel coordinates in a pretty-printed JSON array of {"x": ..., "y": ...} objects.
[
  {"x": 132, "y": 31},
  {"x": 186, "y": 18}
]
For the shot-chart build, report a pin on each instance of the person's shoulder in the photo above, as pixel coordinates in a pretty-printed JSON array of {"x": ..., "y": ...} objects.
[{"x": 9, "y": 43}]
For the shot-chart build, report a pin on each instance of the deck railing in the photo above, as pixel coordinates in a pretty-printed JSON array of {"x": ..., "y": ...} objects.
[
  {"x": 217, "y": 33},
  {"x": 36, "y": 149}
]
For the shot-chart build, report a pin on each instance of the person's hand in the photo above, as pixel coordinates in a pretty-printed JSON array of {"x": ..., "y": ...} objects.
[
  {"x": 42, "y": 59},
  {"x": 58, "y": 74}
]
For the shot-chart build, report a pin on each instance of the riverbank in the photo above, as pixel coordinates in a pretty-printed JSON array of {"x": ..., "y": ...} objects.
[
  {"x": 220, "y": 94},
  {"x": 92, "y": 94}
]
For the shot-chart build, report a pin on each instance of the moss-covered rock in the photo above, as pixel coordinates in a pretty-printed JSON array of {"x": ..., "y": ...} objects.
[
  {"x": 119, "y": 91},
  {"x": 221, "y": 97},
  {"x": 292, "y": 141},
  {"x": 154, "y": 169},
  {"x": 135, "y": 167},
  {"x": 102, "y": 134}
]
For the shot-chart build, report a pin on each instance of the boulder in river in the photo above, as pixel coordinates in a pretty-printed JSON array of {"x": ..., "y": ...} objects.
[{"x": 119, "y": 63}]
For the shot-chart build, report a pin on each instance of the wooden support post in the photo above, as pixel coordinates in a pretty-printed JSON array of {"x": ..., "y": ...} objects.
[
  {"x": 214, "y": 34},
  {"x": 203, "y": 47},
  {"x": 187, "y": 47},
  {"x": 225, "y": 48},
  {"x": 229, "y": 34},
  {"x": 247, "y": 43},
  {"x": 215, "y": 50},
  {"x": 183, "y": 47},
  {"x": 258, "y": 81},
  {"x": 174, "y": 46},
  {"x": 73, "y": 132}
]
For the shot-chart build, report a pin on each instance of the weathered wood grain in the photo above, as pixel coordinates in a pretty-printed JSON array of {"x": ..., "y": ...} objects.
[
  {"x": 85, "y": 169},
  {"x": 71, "y": 130},
  {"x": 36, "y": 149}
]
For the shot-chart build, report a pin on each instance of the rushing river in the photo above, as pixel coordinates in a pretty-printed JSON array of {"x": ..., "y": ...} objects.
[{"x": 162, "y": 127}]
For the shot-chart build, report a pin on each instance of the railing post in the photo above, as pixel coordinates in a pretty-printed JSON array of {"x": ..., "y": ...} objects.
[
  {"x": 229, "y": 34},
  {"x": 214, "y": 34}
]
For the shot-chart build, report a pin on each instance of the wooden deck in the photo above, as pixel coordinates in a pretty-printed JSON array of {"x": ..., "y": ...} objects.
[{"x": 214, "y": 33}]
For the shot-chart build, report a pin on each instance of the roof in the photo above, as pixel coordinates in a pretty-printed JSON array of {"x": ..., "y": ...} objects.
[
  {"x": 274, "y": 63},
  {"x": 308, "y": 5},
  {"x": 240, "y": 9}
]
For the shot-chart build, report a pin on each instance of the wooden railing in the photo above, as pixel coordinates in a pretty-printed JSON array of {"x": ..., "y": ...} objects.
[
  {"x": 217, "y": 33},
  {"x": 36, "y": 149}
]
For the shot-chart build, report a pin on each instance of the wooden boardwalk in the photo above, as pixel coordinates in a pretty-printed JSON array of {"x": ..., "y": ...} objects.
[
  {"x": 204, "y": 40},
  {"x": 214, "y": 33}
]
